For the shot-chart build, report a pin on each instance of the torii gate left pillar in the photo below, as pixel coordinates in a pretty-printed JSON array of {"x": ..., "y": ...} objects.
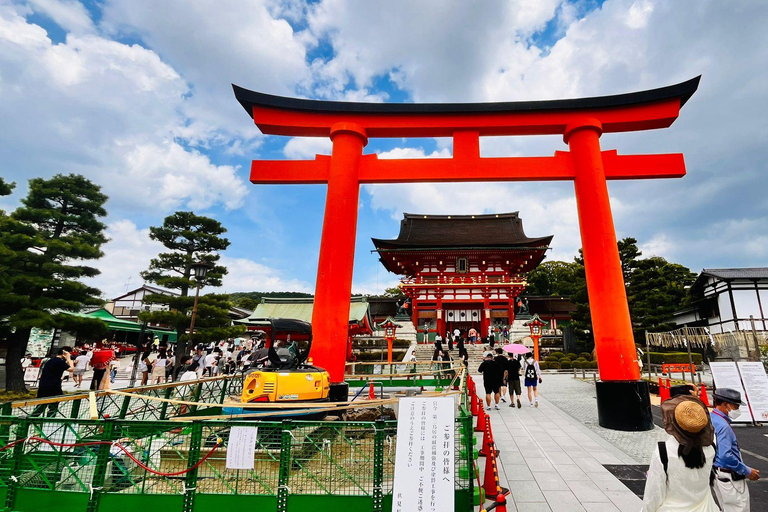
[{"x": 623, "y": 399}]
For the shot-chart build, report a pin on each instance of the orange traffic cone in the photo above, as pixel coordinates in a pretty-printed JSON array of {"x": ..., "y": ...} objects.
[
  {"x": 481, "y": 419},
  {"x": 489, "y": 478},
  {"x": 473, "y": 406},
  {"x": 371, "y": 393},
  {"x": 703, "y": 395},
  {"x": 489, "y": 445},
  {"x": 663, "y": 391}
]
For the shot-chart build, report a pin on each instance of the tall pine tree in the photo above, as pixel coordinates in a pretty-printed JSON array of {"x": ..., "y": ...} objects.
[
  {"x": 43, "y": 245},
  {"x": 190, "y": 238}
]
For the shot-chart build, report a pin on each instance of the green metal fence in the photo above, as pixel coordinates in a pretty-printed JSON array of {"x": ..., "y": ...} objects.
[{"x": 133, "y": 456}]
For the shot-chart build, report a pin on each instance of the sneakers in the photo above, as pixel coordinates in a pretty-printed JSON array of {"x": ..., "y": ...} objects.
[
  {"x": 519, "y": 405},
  {"x": 503, "y": 399},
  {"x": 488, "y": 408},
  {"x": 530, "y": 404},
  {"x": 537, "y": 403},
  {"x": 497, "y": 407},
  {"x": 512, "y": 404}
]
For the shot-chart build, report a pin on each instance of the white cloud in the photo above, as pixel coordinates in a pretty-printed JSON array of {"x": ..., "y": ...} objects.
[
  {"x": 104, "y": 109},
  {"x": 307, "y": 147},
  {"x": 70, "y": 15},
  {"x": 129, "y": 250}
]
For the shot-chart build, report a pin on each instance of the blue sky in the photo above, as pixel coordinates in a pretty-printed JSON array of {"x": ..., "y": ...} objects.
[{"x": 136, "y": 95}]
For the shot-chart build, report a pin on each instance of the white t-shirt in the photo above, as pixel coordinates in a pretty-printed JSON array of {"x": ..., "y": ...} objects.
[
  {"x": 160, "y": 362},
  {"x": 210, "y": 359},
  {"x": 81, "y": 362},
  {"x": 456, "y": 333}
]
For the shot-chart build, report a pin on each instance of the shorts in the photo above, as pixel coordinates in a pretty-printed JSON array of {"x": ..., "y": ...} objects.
[
  {"x": 79, "y": 371},
  {"x": 491, "y": 388},
  {"x": 531, "y": 382},
  {"x": 514, "y": 386}
]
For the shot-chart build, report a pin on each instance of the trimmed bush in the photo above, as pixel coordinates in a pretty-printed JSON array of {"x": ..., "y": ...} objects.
[
  {"x": 571, "y": 356},
  {"x": 557, "y": 354},
  {"x": 552, "y": 366},
  {"x": 579, "y": 364},
  {"x": 673, "y": 358},
  {"x": 551, "y": 359},
  {"x": 565, "y": 359},
  {"x": 592, "y": 365},
  {"x": 565, "y": 365},
  {"x": 543, "y": 365},
  {"x": 586, "y": 355}
]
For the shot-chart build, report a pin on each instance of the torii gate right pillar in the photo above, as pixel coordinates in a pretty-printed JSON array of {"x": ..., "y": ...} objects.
[{"x": 622, "y": 399}]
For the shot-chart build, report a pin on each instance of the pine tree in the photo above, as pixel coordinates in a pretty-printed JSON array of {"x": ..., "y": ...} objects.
[
  {"x": 190, "y": 238},
  {"x": 42, "y": 247}
]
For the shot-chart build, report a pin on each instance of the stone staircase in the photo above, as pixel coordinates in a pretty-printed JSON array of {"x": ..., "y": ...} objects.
[{"x": 424, "y": 352}]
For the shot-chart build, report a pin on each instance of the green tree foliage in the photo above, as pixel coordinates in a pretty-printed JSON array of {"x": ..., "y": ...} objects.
[
  {"x": 190, "y": 238},
  {"x": 246, "y": 303},
  {"x": 6, "y": 188},
  {"x": 42, "y": 248},
  {"x": 555, "y": 278},
  {"x": 256, "y": 296},
  {"x": 212, "y": 322},
  {"x": 656, "y": 289}
]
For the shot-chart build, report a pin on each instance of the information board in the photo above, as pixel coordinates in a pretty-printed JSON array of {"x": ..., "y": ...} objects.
[
  {"x": 424, "y": 458},
  {"x": 756, "y": 384},
  {"x": 726, "y": 375},
  {"x": 240, "y": 447}
]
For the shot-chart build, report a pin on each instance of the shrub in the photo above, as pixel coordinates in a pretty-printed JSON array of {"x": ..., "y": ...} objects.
[
  {"x": 579, "y": 363},
  {"x": 565, "y": 365},
  {"x": 552, "y": 366},
  {"x": 673, "y": 358},
  {"x": 557, "y": 354},
  {"x": 571, "y": 356},
  {"x": 565, "y": 359},
  {"x": 551, "y": 359},
  {"x": 586, "y": 355},
  {"x": 592, "y": 365},
  {"x": 544, "y": 365}
]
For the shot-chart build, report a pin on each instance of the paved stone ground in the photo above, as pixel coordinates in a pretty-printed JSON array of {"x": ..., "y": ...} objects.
[
  {"x": 551, "y": 462},
  {"x": 577, "y": 398}
]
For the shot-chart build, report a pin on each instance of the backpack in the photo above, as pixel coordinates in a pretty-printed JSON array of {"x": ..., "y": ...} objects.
[
  {"x": 664, "y": 457},
  {"x": 530, "y": 371}
]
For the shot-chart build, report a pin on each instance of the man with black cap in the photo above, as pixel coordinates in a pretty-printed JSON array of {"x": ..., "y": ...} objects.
[{"x": 730, "y": 472}]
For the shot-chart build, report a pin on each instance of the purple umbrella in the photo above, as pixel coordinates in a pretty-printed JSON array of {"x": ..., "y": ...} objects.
[{"x": 517, "y": 348}]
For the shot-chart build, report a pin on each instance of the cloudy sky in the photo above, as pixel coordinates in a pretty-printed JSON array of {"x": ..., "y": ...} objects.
[{"x": 136, "y": 95}]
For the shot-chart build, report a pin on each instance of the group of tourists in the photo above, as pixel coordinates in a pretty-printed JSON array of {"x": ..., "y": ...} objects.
[
  {"x": 502, "y": 372},
  {"x": 698, "y": 468}
]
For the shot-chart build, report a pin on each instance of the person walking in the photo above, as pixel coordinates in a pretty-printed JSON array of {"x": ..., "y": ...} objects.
[
  {"x": 158, "y": 367},
  {"x": 146, "y": 364},
  {"x": 473, "y": 336},
  {"x": 438, "y": 347},
  {"x": 501, "y": 361},
  {"x": 730, "y": 472},
  {"x": 449, "y": 339},
  {"x": 50, "y": 380},
  {"x": 463, "y": 354},
  {"x": 491, "y": 336},
  {"x": 513, "y": 380},
  {"x": 491, "y": 382},
  {"x": 679, "y": 473},
  {"x": 532, "y": 374},
  {"x": 81, "y": 365}
]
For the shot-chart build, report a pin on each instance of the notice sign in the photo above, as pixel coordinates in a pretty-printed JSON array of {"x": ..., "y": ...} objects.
[
  {"x": 424, "y": 456},
  {"x": 726, "y": 375},
  {"x": 756, "y": 384},
  {"x": 240, "y": 448}
]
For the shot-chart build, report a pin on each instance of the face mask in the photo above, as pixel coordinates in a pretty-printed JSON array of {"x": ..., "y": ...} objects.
[{"x": 734, "y": 413}]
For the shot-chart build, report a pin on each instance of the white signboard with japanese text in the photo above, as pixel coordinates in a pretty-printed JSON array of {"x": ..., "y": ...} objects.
[
  {"x": 240, "y": 447},
  {"x": 424, "y": 458},
  {"x": 726, "y": 375},
  {"x": 756, "y": 384}
]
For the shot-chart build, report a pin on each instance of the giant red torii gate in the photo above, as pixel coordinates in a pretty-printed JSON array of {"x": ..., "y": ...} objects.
[{"x": 623, "y": 401}]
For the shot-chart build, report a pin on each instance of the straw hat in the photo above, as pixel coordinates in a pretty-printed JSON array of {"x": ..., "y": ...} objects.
[{"x": 687, "y": 420}]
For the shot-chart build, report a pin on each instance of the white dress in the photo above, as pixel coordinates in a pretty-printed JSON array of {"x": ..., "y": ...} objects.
[{"x": 685, "y": 489}]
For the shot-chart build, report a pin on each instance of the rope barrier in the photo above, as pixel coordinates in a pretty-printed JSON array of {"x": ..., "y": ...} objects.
[{"x": 114, "y": 444}]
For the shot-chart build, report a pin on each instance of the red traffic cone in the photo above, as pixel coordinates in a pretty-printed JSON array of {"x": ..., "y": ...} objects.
[
  {"x": 481, "y": 419},
  {"x": 489, "y": 478},
  {"x": 371, "y": 393},
  {"x": 473, "y": 406},
  {"x": 663, "y": 391},
  {"x": 703, "y": 395},
  {"x": 489, "y": 445},
  {"x": 501, "y": 502}
]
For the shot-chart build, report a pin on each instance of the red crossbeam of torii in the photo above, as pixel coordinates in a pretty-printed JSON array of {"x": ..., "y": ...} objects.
[{"x": 579, "y": 121}]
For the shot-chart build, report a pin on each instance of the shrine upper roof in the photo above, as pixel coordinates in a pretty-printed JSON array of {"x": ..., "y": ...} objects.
[{"x": 492, "y": 231}]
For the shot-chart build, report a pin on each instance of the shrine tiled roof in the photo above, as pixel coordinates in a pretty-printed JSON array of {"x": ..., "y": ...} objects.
[{"x": 498, "y": 231}]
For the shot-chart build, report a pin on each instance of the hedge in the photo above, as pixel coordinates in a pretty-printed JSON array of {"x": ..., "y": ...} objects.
[
  {"x": 565, "y": 365},
  {"x": 571, "y": 356},
  {"x": 673, "y": 358},
  {"x": 586, "y": 355},
  {"x": 543, "y": 365},
  {"x": 557, "y": 354},
  {"x": 551, "y": 359}
]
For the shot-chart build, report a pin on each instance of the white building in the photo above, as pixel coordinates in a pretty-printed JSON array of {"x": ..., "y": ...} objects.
[
  {"x": 128, "y": 305},
  {"x": 726, "y": 298}
]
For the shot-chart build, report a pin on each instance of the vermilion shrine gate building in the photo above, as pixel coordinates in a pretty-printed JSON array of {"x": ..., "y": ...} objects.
[{"x": 462, "y": 271}]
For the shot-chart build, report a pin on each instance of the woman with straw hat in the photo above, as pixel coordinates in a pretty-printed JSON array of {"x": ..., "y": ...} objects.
[{"x": 678, "y": 478}]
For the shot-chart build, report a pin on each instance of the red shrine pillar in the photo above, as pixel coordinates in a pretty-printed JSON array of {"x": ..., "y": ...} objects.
[
  {"x": 623, "y": 400},
  {"x": 333, "y": 291}
]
